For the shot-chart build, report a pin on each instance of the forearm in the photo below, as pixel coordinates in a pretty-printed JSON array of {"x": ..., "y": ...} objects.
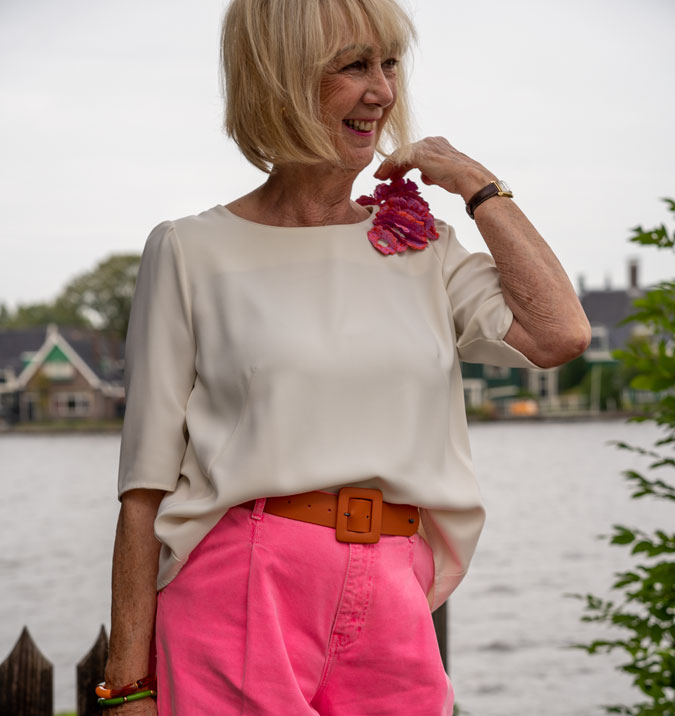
[
  {"x": 550, "y": 326},
  {"x": 134, "y": 590}
]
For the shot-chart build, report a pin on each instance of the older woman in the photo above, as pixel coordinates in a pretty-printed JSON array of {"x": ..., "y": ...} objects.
[{"x": 295, "y": 474}]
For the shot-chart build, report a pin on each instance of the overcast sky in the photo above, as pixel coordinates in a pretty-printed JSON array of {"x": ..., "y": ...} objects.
[{"x": 110, "y": 123}]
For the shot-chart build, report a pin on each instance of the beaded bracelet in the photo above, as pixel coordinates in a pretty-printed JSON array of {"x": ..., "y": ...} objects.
[
  {"x": 147, "y": 682},
  {"x": 118, "y": 701}
]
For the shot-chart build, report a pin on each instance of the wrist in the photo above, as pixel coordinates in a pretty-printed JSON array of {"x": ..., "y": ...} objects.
[
  {"x": 118, "y": 675},
  {"x": 495, "y": 188},
  {"x": 119, "y": 702},
  {"x": 471, "y": 184},
  {"x": 139, "y": 690}
]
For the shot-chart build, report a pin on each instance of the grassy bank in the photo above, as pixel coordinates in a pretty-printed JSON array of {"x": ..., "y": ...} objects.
[{"x": 65, "y": 426}]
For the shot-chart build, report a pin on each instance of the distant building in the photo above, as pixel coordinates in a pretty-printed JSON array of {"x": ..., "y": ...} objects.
[
  {"x": 605, "y": 309},
  {"x": 53, "y": 373},
  {"x": 490, "y": 384},
  {"x": 542, "y": 384},
  {"x": 506, "y": 388}
]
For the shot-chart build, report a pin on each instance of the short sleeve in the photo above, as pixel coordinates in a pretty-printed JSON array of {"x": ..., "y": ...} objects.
[
  {"x": 480, "y": 313},
  {"x": 159, "y": 368}
]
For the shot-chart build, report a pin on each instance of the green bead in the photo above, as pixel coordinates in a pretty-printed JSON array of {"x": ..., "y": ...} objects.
[{"x": 109, "y": 703}]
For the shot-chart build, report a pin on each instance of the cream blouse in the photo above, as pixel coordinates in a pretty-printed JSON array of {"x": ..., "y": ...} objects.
[{"x": 267, "y": 360}]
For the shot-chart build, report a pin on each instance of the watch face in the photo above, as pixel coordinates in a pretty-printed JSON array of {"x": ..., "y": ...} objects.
[{"x": 504, "y": 188}]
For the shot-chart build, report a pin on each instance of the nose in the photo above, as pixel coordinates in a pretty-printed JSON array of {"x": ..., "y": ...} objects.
[{"x": 381, "y": 88}]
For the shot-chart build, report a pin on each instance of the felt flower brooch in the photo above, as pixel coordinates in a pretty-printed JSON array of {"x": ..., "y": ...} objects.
[{"x": 403, "y": 220}]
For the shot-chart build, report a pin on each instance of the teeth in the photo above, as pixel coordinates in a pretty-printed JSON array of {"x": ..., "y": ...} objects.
[{"x": 360, "y": 125}]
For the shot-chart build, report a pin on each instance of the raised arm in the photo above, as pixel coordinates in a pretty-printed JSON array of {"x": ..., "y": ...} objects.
[
  {"x": 134, "y": 596},
  {"x": 549, "y": 325}
]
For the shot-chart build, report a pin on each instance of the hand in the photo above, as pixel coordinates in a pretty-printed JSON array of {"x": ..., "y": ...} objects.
[
  {"x": 144, "y": 707},
  {"x": 440, "y": 164}
]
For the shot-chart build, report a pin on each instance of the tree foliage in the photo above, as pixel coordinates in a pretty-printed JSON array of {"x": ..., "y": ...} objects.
[
  {"x": 40, "y": 314},
  {"x": 612, "y": 383},
  {"x": 644, "y": 611},
  {"x": 571, "y": 374},
  {"x": 103, "y": 295},
  {"x": 100, "y": 298}
]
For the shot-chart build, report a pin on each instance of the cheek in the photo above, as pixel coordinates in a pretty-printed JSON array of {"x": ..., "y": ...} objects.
[{"x": 330, "y": 96}]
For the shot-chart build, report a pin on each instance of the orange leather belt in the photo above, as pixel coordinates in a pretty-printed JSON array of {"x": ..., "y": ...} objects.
[{"x": 357, "y": 514}]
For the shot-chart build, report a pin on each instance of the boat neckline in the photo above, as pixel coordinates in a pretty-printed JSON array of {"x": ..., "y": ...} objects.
[{"x": 363, "y": 222}]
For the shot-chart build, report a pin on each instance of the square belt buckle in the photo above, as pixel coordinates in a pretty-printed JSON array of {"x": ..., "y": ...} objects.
[{"x": 359, "y": 508}]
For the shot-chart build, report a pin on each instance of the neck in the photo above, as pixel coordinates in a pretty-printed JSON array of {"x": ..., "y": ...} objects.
[{"x": 299, "y": 195}]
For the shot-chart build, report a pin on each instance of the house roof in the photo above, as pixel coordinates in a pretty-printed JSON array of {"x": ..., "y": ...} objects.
[
  {"x": 608, "y": 308},
  {"x": 102, "y": 352},
  {"x": 15, "y": 342}
]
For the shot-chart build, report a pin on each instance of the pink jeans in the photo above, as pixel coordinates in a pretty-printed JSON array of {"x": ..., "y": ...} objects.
[{"x": 272, "y": 616}]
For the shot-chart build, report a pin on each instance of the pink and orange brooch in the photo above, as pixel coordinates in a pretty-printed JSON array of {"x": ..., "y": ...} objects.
[{"x": 403, "y": 220}]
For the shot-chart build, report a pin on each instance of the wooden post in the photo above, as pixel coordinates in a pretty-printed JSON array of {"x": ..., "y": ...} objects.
[
  {"x": 440, "y": 617},
  {"x": 26, "y": 681},
  {"x": 89, "y": 673}
]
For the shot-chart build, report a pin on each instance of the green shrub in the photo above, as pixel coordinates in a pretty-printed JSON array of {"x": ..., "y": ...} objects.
[{"x": 644, "y": 611}]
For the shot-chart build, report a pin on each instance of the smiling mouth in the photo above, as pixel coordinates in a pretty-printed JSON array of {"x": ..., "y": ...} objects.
[{"x": 360, "y": 126}]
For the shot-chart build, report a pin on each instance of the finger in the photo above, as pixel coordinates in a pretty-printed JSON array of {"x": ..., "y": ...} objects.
[
  {"x": 385, "y": 169},
  {"x": 391, "y": 170}
]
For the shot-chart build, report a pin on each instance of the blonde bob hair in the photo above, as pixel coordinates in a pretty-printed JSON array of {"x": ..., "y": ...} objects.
[{"x": 273, "y": 56}]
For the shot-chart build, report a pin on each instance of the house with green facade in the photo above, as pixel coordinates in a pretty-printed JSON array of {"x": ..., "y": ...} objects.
[
  {"x": 505, "y": 389},
  {"x": 53, "y": 373}
]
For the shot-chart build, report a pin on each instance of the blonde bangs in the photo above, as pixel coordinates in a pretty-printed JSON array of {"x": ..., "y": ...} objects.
[{"x": 272, "y": 69}]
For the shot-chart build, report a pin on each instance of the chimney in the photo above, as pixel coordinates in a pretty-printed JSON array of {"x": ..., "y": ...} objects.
[
  {"x": 633, "y": 266},
  {"x": 581, "y": 283}
]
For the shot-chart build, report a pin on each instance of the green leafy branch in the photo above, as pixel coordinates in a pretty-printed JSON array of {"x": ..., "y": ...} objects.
[{"x": 645, "y": 610}]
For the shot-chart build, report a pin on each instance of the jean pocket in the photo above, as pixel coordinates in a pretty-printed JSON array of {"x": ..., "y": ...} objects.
[{"x": 423, "y": 563}]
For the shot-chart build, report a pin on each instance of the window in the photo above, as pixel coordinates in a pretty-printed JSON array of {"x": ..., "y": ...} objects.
[
  {"x": 473, "y": 392},
  {"x": 599, "y": 339},
  {"x": 58, "y": 371},
  {"x": 72, "y": 405}
]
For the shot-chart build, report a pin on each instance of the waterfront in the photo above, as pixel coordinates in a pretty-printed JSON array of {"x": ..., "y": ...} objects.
[{"x": 550, "y": 488}]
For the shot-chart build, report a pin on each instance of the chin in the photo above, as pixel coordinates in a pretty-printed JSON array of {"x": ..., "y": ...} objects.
[{"x": 356, "y": 161}]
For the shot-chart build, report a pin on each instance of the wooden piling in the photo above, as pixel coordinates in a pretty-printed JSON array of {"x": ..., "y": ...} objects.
[
  {"x": 90, "y": 672},
  {"x": 26, "y": 681}
]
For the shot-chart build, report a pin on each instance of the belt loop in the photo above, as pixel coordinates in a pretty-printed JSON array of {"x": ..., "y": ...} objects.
[{"x": 258, "y": 509}]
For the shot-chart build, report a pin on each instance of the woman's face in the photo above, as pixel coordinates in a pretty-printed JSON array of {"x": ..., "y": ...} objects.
[{"x": 358, "y": 91}]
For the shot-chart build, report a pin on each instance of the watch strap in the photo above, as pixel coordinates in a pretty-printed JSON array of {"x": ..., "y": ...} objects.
[{"x": 494, "y": 188}]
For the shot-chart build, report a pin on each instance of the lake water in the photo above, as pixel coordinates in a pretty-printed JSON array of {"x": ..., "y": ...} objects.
[{"x": 550, "y": 489}]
